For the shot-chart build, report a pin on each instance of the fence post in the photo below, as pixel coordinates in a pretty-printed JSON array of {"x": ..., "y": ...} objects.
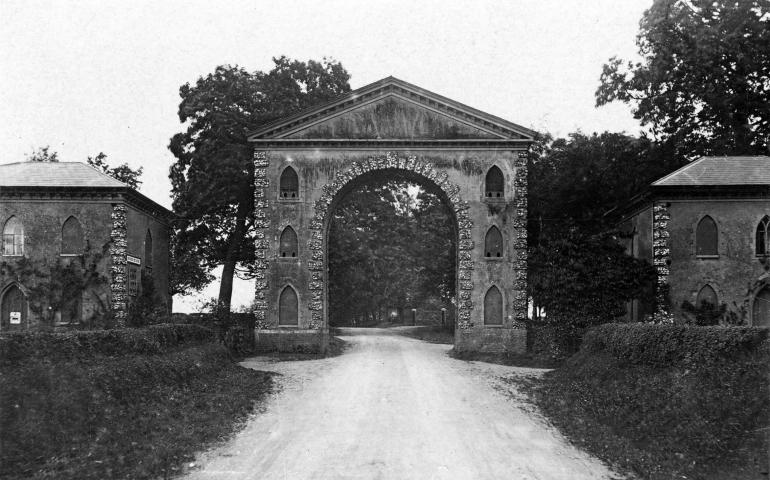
[
  {"x": 443, "y": 316},
  {"x": 414, "y": 316}
]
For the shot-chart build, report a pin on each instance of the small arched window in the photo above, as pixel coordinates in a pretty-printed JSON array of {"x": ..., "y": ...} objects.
[
  {"x": 761, "y": 309},
  {"x": 706, "y": 237},
  {"x": 762, "y": 236},
  {"x": 148, "y": 249},
  {"x": 289, "y": 183},
  {"x": 288, "y": 243},
  {"x": 493, "y": 307},
  {"x": 493, "y": 243},
  {"x": 288, "y": 308},
  {"x": 495, "y": 183},
  {"x": 13, "y": 237},
  {"x": 71, "y": 237},
  {"x": 706, "y": 294}
]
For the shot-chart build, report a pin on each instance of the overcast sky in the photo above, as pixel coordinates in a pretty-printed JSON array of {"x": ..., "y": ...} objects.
[{"x": 90, "y": 77}]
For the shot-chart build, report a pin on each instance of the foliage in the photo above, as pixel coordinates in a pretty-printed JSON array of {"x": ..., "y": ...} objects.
[
  {"x": 213, "y": 177},
  {"x": 42, "y": 155},
  {"x": 148, "y": 307},
  {"x": 50, "y": 284},
  {"x": 122, "y": 173},
  {"x": 674, "y": 345},
  {"x": 684, "y": 420},
  {"x": 88, "y": 344},
  {"x": 704, "y": 314},
  {"x": 187, "y": 275},
  {"x": 703, "y": 82},
  {"x": 388, "y": 249},
  {"x": 133, "y": 416},
  {"x": 234, "y": 330},
  {"x": 585, "y": 279}
]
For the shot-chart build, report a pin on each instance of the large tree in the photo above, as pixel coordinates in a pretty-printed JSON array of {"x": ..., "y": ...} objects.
[
  {"x": 704, "y": 82},
  {"x": 212, "y": 179}
]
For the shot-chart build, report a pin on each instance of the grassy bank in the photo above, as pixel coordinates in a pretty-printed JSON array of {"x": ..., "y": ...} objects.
[
  {"x": 130, "y": 416},
  {"x": 443, "y": 334},
  {"x": 656, "y": 413},
  {"x": 509, "y": 359}
]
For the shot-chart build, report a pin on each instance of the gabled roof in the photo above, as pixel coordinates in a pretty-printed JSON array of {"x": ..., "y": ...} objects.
[
  {"x": 720, "y": 171},
  {"x": 474, "y": 124},
  {"x": 54, "y": 174}
]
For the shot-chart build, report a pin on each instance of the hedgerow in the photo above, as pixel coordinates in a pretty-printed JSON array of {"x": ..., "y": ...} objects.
[
  {"x": 674, "y": 345},
  {"x": 85, "y": 344}
]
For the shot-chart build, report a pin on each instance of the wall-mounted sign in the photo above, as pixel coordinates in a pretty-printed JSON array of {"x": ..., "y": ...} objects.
[
  {"x": 16, "y": 317},
  {"x": 134, "y": 260}
]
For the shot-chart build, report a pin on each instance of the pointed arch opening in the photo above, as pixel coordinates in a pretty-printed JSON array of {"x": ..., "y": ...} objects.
[
  {"x": 288, "y": 308},
  {"x": 493, "y": 307},
  {"x": 706, "y": 238},
  {"x": 760, "y": 312},
  {"x": 148, "y": 249},
  {"x": 72, "y": 240},
  {"x": 289, "y": 183},
  {"x": 495, "y": 183},
  {"x": 13, "y": 237},
  {"x": 706, "y": 294},
  {"x": 13, "y": 309},
  {"x": 493, "y": 243},
  {"x": 762, "y": 236},
  {"x": 288, "y": 244}
]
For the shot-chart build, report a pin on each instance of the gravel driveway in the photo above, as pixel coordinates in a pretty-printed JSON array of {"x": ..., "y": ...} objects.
[{"x": 392, "y": 407}]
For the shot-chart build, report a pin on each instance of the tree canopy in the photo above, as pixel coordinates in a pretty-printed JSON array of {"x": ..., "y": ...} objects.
[
  {"x": 42, "y": 154},
  {"x": 213, "y": 176},
  {"x": 704, "y": 82},
  {"x": 122, "y": 173}
]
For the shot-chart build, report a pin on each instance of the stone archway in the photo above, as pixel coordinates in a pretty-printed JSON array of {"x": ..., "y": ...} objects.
[{"x": 385, "y": 128}]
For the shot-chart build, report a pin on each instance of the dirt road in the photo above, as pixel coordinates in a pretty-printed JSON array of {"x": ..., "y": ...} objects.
[{"x": 395, "y": 408}]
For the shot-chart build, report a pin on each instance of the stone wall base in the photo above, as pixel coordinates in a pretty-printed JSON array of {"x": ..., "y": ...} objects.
[
  {"x": 285, "y": 340},
  {"x": 491, "y": 340}
]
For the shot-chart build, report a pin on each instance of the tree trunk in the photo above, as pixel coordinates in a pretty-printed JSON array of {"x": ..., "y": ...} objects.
[{"x": 233, "y": 253}]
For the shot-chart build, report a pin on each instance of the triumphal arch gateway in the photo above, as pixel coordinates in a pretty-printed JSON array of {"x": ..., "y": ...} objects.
[{"x": 307, "y": 163}]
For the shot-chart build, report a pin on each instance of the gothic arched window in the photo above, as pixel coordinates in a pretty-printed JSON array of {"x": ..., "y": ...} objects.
[
  {"x": 13, "y": 237},
  {"x": 288, "y": 307},
  {"x": 493, "y": 307},
  {"x": 495, "y": 183},
  {"x": 762, "y": 236},
  {"x": 71, "y": 237},
  {"x": 706, "y": 294},
  {"x": 706, "y": 237},
  {"x": 761, "y": 309},
  {"x": 289, "y": 183},
  {"x": 148, "y": 249},
  {"x": 288, "y": 243},
  {"x": 493, "y": 243}
]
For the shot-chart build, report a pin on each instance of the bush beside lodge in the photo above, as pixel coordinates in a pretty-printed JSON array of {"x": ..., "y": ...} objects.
[{"x": 75, "y": 245}]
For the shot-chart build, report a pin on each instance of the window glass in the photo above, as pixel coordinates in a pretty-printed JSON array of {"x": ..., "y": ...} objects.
[
  {"x": 133, "y": 280},
  {"x": 13, "y": 237},
  {"x": 762, "y": 237}
]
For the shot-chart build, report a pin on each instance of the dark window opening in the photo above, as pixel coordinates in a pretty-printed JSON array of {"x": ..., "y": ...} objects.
[
  {"x": 288, "y": 242},
  {"x": 148, "y": 250},
  {"x": 495, "y": 183},
  {"x": 71, "y": 237},
  {"x": 288, "y": 307},
  {"x": 761, "y": 309},
  {"x": 762, "y": 237},
  {"x": 289, "y": 183},
  {"x": 493, "y": 243},
  {"x": 13, "y": 237},
  {"x": 706, "y": 237},
  {"x": 707, "y": 294},
  {"x": 133, "y": 281},
  {"x": 13, "y": 309},
  {"x": 493, "y": 307}
]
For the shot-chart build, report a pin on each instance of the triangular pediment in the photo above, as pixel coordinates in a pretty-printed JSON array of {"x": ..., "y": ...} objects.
[{"x": 393, "y": 109}]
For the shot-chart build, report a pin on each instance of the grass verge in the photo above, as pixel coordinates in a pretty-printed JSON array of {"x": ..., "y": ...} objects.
[
  {"x": 443, "y": 334},
  {"x": 510, "y": 359},
  {"x": 336, "y": 347},
  {"x": 136, "y": 416},
  {"x": 663, "y": 423}
]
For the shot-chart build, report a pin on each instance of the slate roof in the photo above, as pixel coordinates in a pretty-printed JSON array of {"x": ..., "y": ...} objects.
[
  {"x": 54, "y": 174},
  {"x": 720, "y": 171}
]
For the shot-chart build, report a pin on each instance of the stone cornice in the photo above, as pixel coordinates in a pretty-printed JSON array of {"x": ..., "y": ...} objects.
[{"x": 390, "y": 144}]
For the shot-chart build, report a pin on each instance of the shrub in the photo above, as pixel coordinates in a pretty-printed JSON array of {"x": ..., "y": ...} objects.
[
  {"x": 80, "y": 345},
  {"x": 674, "y": 345}
]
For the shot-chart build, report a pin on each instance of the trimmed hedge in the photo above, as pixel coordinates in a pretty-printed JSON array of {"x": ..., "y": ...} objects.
[
  {"x": 674, "y": 345},
  {"x": 84, "y": 344}
]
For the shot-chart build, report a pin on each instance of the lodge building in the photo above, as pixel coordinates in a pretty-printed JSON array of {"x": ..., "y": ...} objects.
[{"x": 54, "y": 214}]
